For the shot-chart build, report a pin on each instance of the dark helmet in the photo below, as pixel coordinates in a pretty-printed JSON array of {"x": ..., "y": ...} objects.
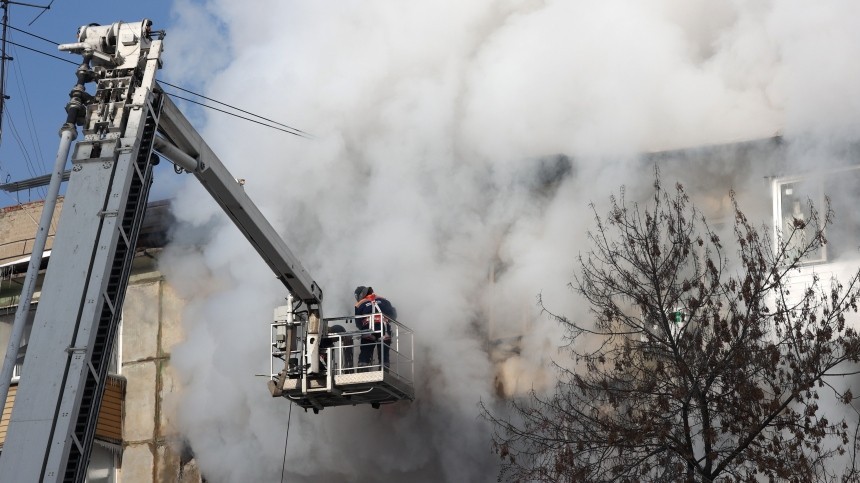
[{"x": 361, "y": 291}]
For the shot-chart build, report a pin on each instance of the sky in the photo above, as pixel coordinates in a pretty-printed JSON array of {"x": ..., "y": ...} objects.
[{"x": 436, "y": 125}]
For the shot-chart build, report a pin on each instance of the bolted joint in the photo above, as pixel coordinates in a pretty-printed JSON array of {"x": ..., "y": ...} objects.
[
  {"x": 75, "y": 112},
  {"x": 67, "y": 127},
  {"x": 76, "y": 108},
  {"x": 85, "y": 74}
]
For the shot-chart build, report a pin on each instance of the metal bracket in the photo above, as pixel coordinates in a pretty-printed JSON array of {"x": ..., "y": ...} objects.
[
  {"x": 127, "y": 243},
  {"x": 93, "y": 371},
  {"x": 108, "y": 213},
  {"x": 108, "y": 300},
  {"x": 77, "y": 443}
]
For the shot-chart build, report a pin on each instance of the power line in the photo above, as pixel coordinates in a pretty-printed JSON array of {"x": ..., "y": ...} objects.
[
  {"x": 33, "y": 35},
  {"x": 44, "y": 9},
  {"x": 236, "y": 108},
  {"x": 297, "y": 132},
  {"x": 28, "y": 113},
  {"x": 4, "y": 5},
  {"x": 25, "y": 154},
  {"x": 287, "y": 129},
  {"x": 41, "y": 52},
  {"x": 286, "y": 440}
]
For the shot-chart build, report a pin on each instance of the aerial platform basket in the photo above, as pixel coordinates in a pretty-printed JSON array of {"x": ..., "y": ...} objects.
[{"x": 318, "y": 367}]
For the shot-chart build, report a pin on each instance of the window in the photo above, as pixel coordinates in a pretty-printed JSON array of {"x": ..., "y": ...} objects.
[
  {"x": 102, "y": 467},
  {"x": 792, "y": 208},
  {"x": 7, "y": 319},
  {"x": 843, "y": 235},
  {"x": 791, "y": 204}
]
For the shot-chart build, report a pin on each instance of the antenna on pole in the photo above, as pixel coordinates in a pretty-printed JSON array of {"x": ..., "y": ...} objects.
[{"x": 4, "y": 57}]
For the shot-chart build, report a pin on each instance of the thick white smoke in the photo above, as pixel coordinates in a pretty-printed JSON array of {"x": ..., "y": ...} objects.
[{"x": 437, "y": 126}]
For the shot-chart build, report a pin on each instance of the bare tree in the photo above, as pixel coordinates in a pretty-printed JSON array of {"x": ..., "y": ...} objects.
[{"x": 699, "y": 367}]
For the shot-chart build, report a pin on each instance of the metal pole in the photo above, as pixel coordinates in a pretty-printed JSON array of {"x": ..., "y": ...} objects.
[
  {"x": 67, "y": 135},
  {"x": 176, "y": 155}
]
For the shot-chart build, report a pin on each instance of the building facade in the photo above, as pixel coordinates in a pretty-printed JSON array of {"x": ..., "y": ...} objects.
[{"x": 135, "y": 437}]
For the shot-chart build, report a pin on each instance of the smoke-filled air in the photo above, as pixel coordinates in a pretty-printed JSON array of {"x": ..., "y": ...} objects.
[{"x": 456, "y": 146}]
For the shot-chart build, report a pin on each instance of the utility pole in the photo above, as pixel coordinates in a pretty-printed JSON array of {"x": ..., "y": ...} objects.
[{"x": 4, "y": 57}]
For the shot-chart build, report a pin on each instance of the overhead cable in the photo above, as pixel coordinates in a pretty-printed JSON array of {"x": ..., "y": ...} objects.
[
  {"x": 28, "y": 113},
  {"x": 26, "y": 155},
  {"x": 42, "y": 52},
  {"x": 286, "y": 440},
  {"x": 283, "y": 127},
  {"x": 44, "y": 9},
  {"x": 32, "y": 35},
  {"x": 296, "y": 132}
]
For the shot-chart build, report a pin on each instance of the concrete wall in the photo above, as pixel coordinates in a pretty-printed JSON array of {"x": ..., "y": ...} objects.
[
  {"x": 153, "y": 451},
  {"x": 18, "y": 225}
]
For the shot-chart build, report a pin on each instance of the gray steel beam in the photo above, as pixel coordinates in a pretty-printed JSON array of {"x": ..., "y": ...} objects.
[
  {"x": 67, "y": 135},
  {"x": 53, "y": 420},
  {"x": 230, "y": 195},
  {"x": 30, "y": 183}
]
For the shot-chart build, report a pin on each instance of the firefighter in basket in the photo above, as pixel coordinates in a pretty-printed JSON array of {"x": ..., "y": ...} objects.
[{"x": 372, "y": 313}]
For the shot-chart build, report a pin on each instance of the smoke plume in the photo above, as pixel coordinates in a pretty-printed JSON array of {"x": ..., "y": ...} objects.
[{"x": 454, "y": 143}]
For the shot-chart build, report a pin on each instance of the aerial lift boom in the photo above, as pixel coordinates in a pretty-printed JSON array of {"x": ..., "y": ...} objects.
[
  {"x": 129, "y": 117},
  {"x": 50, "y": 432},
  {"x": 124, "y": 122}
]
